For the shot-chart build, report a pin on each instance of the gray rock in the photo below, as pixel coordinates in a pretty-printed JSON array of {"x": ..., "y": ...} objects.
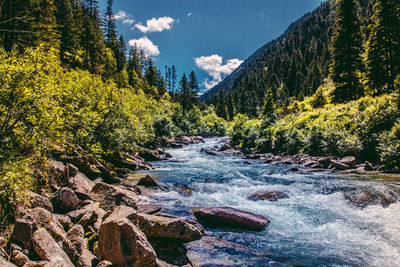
[
  {"x": 122, "y": 243},
  {"x": 64, "y": 200},
  {"x": 269, "y": 195},
  {"x": 349, "y": 161},
  {"x": 77, "y": 237},
  {"x": 339, "y": 165},
  {"x": 148, "y": 181},
  {"x": 40, "y": 201},
  {"x": 165, "y": 227},
  {"x": 105, "y": 264},
  {"x": 47, "y": 249},
  {"x": 22, "y": 232},
  {"x": 111, "y": 196},
  {"x": 89, "y": 215},
  {"x": 148, "y": 208},
  {"x": 80, "y": 183},
  {"x": 64, "y": 220},
  {"x": 19, "y": 258},
  {"x": 231, "y": 218}
]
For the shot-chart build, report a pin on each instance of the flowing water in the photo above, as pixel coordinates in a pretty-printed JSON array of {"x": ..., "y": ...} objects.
[{"x": 316, "y": 226}]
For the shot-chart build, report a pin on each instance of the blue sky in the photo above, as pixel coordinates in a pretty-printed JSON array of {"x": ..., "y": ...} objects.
[{"x": 211, "y": 37}]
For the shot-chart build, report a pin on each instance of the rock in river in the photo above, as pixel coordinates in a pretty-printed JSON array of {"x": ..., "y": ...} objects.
[
  {"x": 270, "y": 196},
  {"x": 231, "y": 218}
]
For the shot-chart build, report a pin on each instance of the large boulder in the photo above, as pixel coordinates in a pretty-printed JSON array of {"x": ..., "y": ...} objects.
[
  {"x": 81, "y": 184},
  {"x": 166, "y": 227},
  {"x": 64, "y": 200},
  {"x": 22, "y": 232},
  {"x": 111, "y": 196},
  {"x": 47, "y": 249},
  {"x": 18, "y": 258},
  {"x": 339, "y": 165},
  {"x": 349, "y": 161},
  {"x": 122, "y": 243},
  {"x": 148, "y": 181},
  {"x": 56, "y": 172},
  {"x": 149, "y": 208},
  {"x": 150, "y": 155},
  {"x": 77, "y": 237},
  {"x": 90, "y": 215},
  {"x": 270, "y": 196},
  {"x": 231, "y": 218},
  {"x": 43, "y": 218},
  {"x": 40, "y": 201}
]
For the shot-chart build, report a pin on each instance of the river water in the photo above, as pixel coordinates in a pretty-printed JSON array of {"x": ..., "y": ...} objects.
[{"x": 315, "y": 226}]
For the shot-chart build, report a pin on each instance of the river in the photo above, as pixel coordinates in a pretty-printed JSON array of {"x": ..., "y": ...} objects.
[{"x": 315, "y": 226}]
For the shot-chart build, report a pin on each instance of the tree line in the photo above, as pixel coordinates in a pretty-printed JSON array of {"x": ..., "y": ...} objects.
[{"x": 88, "y": 40}]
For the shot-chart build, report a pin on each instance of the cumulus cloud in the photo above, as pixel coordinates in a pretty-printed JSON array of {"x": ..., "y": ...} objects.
[
  {"x": 146, "y": 45},
  {"x": 124, "y": 17},
  {"x": 189, "y": 14},
  {"x": 156, "y": 25},
  {"x": 214, "y": 66}
]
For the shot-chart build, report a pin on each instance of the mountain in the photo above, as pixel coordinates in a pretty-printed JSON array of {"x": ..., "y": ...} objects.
[{"x": 294, "y": 65}]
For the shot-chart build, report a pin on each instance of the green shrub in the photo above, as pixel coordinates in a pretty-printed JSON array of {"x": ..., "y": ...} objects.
[
  {"x": 15, "y": 179},
  {"x": 389, "y": 146}
]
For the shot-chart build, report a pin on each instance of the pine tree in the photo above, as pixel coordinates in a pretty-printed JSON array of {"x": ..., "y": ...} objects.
[
  {"x": 347, "y": 50},
  {"x": 194, "y": 89},
  {"x": 173, "y": 78},
  {"x": 231, "y": 106},
  {"x": 383, "y": 49},
  {"x": 110, "y": 30},
  {"x": 268, "y": 111},
  {"x": 221, "y": 110},
  {"x": 185, "y": 89},
  {"x": 92, "y": 39},
  {"x": 151, "y": 74},
  {"x": 121, "y": 55},
  {"x": 68, "y": 25},
  {"x": 27, "y": 23},
  {"x": 161, "y": 86}
]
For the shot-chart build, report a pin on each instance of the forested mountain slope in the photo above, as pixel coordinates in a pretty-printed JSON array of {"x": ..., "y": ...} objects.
[{"x": 293, "y": 65}]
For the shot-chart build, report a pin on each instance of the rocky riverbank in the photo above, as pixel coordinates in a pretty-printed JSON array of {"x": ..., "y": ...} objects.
[
  {"x": 349, "y": 164},
  {"x": 88, "y": 217}
]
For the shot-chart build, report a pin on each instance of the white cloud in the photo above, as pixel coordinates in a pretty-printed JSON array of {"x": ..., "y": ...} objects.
[
  {"x": 124, "y": 17},
  {"x": 214, "y": 66},
  {"x": 189, "y": 14},
  {"x": 146, "y": 45},
  {"x": 156, "y": 25}
]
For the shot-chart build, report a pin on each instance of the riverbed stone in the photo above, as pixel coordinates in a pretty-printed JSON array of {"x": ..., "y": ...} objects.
[
  {"x": 349, "y": 161},
  {"x": 19, "y": 258},
  {"x": 123, "y": 243},
  {"x": 22, "y": 232},
  {"x": 231, "y": 218},
  {"x": 269, "y": 195},
  {"x": 148, "y": 181},
  {"x": 80, "y": 183},
  {"x": 64, "y": 200},
  {"x": 110, "y": 196},
  {"x": 339, "y": 165},
  {"x": 77, "y": 237},
  {"x": 37, "y": 200},
  {"x": 166, "y": 227},
  {"x": 47, "y": 249}
]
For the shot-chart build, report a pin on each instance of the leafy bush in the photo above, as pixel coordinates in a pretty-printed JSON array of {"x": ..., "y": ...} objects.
[
  {"x": 389, "y": 146},
  {"x": 15, "y": 178}
]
